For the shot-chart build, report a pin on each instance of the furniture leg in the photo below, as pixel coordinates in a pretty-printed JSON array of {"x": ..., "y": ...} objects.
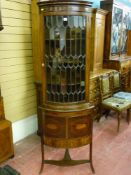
[
  {"x": 107, "y": 113},
  {"x": 119, "y": 118},
  {"x": 98, "y": 119},
  {"x": 128, "y": 116},
  {"x": 42, "y": 156},
  {"x": 91, "y": 163}
]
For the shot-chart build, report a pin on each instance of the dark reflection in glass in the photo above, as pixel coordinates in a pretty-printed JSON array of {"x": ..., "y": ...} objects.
[
  {"x": 70, "y": 21},
  {"x": 65, "y": 58},
  {"x": 47, "y": 46},
  {"x": 129, "y": 21},
  {"x": 78, "y": 47},
  {"x": 48, "y": 22},
  {"x": 83, "y": 47},
  {"x": 76, "y": 21},
  {"x": 59, "y": 20},
  {"x": 68, "y": 33}
]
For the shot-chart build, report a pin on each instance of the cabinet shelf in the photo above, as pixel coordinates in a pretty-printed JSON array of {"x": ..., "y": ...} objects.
[
  {"x": 66, "y": 39},
  {"x": 68, "y": 84},
  {"x": 58, "y": 63}
]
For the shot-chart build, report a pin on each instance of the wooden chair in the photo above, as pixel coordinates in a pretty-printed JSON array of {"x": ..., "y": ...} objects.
[{"x": 112, "y": 103}]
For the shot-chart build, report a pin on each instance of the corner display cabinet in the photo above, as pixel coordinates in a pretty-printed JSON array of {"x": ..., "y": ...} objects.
[
  {"x": 117, "y": 53},
  {"x": 65, "y": 52}
]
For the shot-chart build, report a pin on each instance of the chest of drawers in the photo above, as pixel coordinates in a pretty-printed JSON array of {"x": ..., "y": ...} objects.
[
  {"x": 124, "y": 67},
  {"x": 6, "y": 141}
]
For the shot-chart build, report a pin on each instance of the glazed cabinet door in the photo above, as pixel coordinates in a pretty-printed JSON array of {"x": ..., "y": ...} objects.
[
  {"x": 65, "y": 58},
  {"x": 121, "y": 21},
  {"x": 116, "y": 31},
  {"x": 118, "y": 24},
  {"x": 125, "y": 28}
]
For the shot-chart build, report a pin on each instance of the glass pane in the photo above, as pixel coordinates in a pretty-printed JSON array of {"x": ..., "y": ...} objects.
[
  {"x": 65, "y": 58},
  {"x": 125, "y": 28},
  {"x": 116, "y": 31}
]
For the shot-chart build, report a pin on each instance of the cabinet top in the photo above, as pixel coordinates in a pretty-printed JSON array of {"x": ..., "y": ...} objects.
[
  {"x": 67, "y": 5},
  {"x": 67, "y": 2}
]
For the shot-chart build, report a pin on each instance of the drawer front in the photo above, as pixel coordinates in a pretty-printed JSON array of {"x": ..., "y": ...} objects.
[
  {"x": 80, "y": 126},
  {"x": 55, "y": 126}
]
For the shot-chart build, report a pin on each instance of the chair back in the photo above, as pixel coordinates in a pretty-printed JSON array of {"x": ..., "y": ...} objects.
[
  {"x": 106, "y": 86},
  {"x": 116, "y": 81},
  {"x": 130, "y": 79}
]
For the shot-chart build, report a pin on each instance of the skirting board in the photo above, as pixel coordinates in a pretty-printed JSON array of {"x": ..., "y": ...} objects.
[{"x": 24, "y": 128}]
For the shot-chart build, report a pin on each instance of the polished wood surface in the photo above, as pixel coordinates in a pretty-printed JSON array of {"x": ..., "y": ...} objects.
[
  {"x": 39, "y": 98},
  {"x": 97, "y": 36},
  {"x": 2, "y": 114},
  {"x": 6, "y": 143},
  {"x": 79, "y": 3},
  {"x": 129, "y": 43},
  {"x": 6, "y": 139},
  {"x": 68, "y": 129},
  {"x": 36, "y": 40}
]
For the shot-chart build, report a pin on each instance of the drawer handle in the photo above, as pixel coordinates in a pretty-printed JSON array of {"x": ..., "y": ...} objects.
[
  {"x": 51, "y": 126},
  {"x": 80, "y": 126}
]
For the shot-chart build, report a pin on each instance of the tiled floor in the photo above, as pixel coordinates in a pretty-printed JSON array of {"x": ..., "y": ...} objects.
[{"x": 111, "y": 153}]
